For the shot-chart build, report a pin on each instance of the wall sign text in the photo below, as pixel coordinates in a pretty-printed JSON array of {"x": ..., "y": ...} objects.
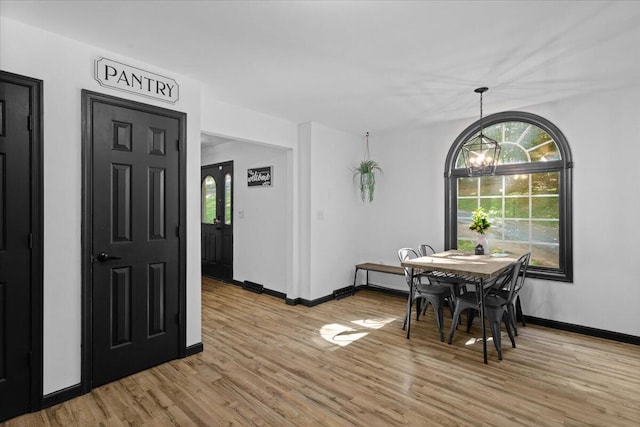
[
  {"x": 259, "y": 177},
  {"x": 124, "y": 77}
]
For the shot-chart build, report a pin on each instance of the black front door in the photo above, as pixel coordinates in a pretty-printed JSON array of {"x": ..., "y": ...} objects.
[
  {"x": 134, "y": 235},
  {"x": 217, "y": 225},
  {"x": 18, "y": 258}
]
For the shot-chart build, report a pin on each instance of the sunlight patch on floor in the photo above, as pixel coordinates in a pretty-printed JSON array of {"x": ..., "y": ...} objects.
[
  {"x": 342, "y": 335},
  {"x": 474, "y": 340},
  {"x": 339, "y": 334},
  {"x": 373, "y": 323}
]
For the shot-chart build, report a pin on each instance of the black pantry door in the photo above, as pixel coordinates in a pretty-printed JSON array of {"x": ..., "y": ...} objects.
[
  {"x": 135, "y": 235},
  {"x": 20, "y": 265},
  {"x": 217, "y": 221}
]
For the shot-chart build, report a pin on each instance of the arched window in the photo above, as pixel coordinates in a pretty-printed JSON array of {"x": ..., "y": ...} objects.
[
  {"x": 528, "y": 199},
  {"x": 208, "y": 200}
]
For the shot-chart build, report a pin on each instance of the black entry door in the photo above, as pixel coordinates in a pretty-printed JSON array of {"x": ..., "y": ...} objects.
[
  {"x": 217, "y": 221},
  {"x": 16, "y": 237},
  {"x": 135, "y": 237}
]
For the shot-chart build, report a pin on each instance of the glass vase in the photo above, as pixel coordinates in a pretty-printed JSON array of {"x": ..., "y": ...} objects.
[{"x": 484, "y": 243}]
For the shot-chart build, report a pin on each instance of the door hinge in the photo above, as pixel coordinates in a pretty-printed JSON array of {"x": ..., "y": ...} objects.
[
  {"x": 29, "y": 123},
  {"x": 178, "y": 144},
  {"x": 30, "y": 359},
  {"x": 178, "y": 231},
  {"x": 178, "y": 319},
  {"x": 30, "y": 240}
]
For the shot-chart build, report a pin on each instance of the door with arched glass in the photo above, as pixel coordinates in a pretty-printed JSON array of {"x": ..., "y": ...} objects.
[{"x": 216, "y": 213}]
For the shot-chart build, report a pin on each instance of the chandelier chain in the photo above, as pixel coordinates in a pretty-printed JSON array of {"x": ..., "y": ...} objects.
[{"x": 366, "y": 146}]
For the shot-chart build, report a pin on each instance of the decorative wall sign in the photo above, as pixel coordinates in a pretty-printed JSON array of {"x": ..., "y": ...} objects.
[
  {"x": 124, "y": 77},
  {"x": 260, "y": 177}
]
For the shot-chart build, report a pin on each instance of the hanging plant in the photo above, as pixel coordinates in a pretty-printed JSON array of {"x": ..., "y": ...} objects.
[{"x": 366, "y": 172}]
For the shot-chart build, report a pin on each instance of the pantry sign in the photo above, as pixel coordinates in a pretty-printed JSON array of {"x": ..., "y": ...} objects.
[{"x": 117, "y": 75}]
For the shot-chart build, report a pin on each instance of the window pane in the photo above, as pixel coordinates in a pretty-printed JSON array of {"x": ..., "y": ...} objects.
[
  {"x": 516, "y": 185},
  {"x": 516, "y": 207},
  {"x": 520, "y": 143},
  {"x": 208, "y": 200},
  {"x": 227, "y": 199},
  {"x": 516, "y": 230},
  {"x": 495, "y": 132},
  {"x": 491, "y": 186},
  {"x": 493, "y": 206},
  {"x": 494, "y": 234},
  {"x": 544, "y": 232},
  {"x": 512, "y": 153},
  {"x": 513, "y": 247},
  {"x": 545, "y": 183},
  {"x": 467, "y": 186},
  {"x": 545, "y": 207},
  {"x": 545, "y": 255},
  {"x": 467, "y": 245},
  {"x": 466, "y": 206},
  {"x": 516, "y": 131},
  {"x": 519, "y": 218},
  {"x": 541, "y": 146}
]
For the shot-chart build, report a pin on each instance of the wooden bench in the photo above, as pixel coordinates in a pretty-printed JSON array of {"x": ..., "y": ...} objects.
[{"x": 378, "y": 268}]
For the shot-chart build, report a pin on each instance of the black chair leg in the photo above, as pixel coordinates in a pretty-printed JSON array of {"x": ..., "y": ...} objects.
[
  {"x": 507, "y": 321},
  {"x": 437, "y": 309},
  {"x": 454, "y": 324},
  {"x": 519, "y": 312},
  {"x": 511, "y": 312},
  {"x": 497, "y": 338},
  {"x": 470, "y": 315}
]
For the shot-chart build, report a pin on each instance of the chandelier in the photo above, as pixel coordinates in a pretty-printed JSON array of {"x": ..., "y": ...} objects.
[{"x": 481, "y": 153}]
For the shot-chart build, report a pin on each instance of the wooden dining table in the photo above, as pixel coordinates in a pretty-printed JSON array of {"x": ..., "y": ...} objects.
[{"x": 463, "y": 268}]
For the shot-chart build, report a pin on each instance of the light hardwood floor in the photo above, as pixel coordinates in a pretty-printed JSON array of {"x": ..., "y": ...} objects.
[{"x": 348, "y": 363}]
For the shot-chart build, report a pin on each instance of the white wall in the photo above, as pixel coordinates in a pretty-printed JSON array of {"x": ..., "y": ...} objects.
[
  {"x": 601, "y": 129},
  {"x": 328, "y": 208},
  {"x": 335, "y": 209},
  {"x": 240, "y": 123},
  {"x": 259, "y": 243},
  {"x": 66, "y": 67}
]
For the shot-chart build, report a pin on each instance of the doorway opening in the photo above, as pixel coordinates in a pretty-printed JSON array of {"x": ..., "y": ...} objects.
[{"x": 216, "y": 182}]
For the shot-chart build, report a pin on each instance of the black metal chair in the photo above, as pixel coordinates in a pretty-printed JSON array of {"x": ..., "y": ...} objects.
[
  {"x": 442, "y": 278},
  {"x": 512, "y": 295},
  {"x": 428, "y": 293},
  {"x": 425, "y": 250},
  {"x": 495, "y": 306}
]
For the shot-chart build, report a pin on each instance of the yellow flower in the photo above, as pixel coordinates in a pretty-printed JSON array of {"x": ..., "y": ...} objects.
[{"x": 479, "y": 221}]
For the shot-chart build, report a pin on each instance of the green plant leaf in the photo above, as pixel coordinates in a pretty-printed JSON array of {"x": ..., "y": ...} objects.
[{"x": 366, "y": 171}]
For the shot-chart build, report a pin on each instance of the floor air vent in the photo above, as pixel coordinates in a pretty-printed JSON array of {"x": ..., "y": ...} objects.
[
  {"x": 253, "y": 287},
  {"x": 344, "y": 292}
]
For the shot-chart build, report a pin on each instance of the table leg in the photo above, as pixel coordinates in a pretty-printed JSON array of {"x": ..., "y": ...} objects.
[
  {"x": 484, "y": 332},
  {"x": 355, "y": 276},
  {"x": 410, "y": 304}
]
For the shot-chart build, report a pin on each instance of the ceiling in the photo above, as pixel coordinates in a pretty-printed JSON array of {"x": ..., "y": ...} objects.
[{"x": 366, "y": 65}]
